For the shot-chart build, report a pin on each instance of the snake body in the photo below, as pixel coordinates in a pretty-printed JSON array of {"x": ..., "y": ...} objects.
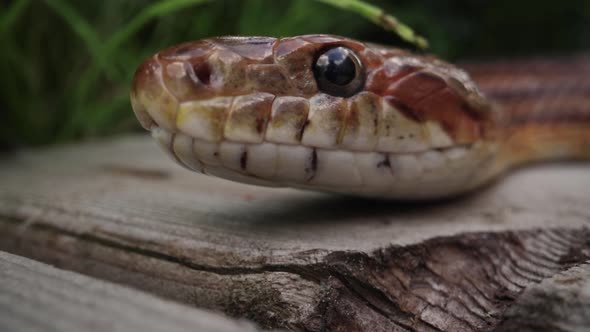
[{"x": 332, "y": 114}]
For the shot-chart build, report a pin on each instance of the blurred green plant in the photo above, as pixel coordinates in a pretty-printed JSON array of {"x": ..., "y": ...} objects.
[
  {"x": 379, "y": 17},
  {"x": 66, "y": 65}
]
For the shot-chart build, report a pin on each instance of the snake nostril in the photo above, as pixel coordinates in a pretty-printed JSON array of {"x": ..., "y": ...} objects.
[{"x": 203, "y": 72}]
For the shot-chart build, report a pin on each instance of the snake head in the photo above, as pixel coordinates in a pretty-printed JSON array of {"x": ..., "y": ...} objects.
[{"x": 317, "y": 111}]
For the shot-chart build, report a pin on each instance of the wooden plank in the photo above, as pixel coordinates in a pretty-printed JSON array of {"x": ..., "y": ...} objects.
[
  {"x": 37, "y": 297},
  {"x": 119, "y": 210}
]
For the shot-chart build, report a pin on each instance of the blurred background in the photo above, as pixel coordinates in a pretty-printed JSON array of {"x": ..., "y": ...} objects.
[{"x": 66, "y": 65}]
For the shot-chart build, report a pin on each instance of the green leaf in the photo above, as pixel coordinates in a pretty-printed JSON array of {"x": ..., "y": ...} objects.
[{"x": 378, "y": 16}]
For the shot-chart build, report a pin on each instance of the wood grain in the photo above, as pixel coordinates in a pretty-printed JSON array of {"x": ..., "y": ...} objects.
[
  {"x": 38, "y": 297},
  {"x": 119, "y": 210}
]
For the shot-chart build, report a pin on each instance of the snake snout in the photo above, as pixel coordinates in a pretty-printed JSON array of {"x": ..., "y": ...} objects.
[
  {"x": 151, "y": 101},
  {"x": 165, "y": 81}
]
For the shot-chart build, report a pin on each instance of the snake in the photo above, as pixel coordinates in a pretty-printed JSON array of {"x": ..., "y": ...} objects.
[{"x": 333, "y": 114}]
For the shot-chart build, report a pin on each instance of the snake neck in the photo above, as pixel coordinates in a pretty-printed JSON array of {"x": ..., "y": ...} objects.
[{"x": 544, "y": 107}]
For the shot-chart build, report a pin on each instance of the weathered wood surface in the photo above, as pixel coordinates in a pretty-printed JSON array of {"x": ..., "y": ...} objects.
[
  {"x": 119, "y": 210},
  {"x": 38, "y": 297},
  {"x": 561, "y": 303}
]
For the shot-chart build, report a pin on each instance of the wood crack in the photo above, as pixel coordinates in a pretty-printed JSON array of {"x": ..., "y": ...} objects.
[
  {"x": 459, "y": 293},
  {"x": 440, "y": 284}
]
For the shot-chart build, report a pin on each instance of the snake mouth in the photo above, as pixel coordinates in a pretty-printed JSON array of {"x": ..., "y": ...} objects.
[
  {"x": 407, "y": 175},
  {"x": 360, "y": 144}
]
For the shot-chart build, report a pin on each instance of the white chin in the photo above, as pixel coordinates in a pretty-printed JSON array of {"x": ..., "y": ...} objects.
[{"x": 416, "y": 175}]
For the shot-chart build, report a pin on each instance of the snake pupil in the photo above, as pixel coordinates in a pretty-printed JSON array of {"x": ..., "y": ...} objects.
[
  {"x": 336, "y": 66},
  {"x": 338, "y": 72}
]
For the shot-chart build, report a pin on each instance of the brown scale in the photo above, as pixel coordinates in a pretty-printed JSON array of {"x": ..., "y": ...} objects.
[{"x": 545, "y": 105}]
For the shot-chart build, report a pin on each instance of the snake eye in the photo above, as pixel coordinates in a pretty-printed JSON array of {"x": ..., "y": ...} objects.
[{"x": 339, "y": 72}]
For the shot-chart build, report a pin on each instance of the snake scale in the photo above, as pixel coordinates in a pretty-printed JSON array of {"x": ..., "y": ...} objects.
[{"x": 329, "y": 113}]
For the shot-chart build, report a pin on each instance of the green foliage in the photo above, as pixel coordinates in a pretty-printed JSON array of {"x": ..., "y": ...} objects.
[
  {"x": 379, "y": 17},
  {"x": 66, "y": 65}
]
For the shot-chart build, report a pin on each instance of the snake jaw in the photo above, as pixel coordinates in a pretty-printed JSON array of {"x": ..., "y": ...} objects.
[{"x": 419, "y": 175}]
